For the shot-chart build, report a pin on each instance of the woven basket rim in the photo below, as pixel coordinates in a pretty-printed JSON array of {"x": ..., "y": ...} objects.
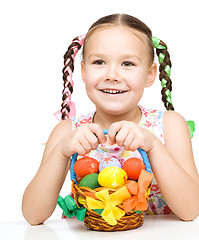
[{"x": 79, "y": 192}]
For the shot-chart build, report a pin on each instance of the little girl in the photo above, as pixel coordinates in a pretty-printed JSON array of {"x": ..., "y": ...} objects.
[{"x": 118, "y": 63}]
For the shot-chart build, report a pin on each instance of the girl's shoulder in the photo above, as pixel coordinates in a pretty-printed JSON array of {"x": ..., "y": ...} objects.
[
  {"x": 56, "y": 135},
  {"x": 60, "y": 130},
  {"x": 174, "y": 123},
  {"x": 62, "y": 126},
  {"x": 173, "y": 116}
]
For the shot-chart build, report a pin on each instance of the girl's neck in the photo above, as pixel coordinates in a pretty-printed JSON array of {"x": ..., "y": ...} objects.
[{"x": 105, "y": 120}]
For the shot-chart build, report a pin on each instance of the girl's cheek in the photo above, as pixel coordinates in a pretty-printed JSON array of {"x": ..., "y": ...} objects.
[{"x": 94, "y": 74}]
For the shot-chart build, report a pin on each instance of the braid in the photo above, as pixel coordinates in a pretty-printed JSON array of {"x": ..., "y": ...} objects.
[
  {"x": 164, "y": 76},
  {"x": 68, "y": 69},
  {"x": 165, "y": 72}
]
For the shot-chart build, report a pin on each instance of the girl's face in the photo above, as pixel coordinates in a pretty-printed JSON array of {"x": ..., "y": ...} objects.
[{"x": 116, "y": 68}]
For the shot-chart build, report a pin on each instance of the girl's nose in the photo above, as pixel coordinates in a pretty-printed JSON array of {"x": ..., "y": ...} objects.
[{"x": 112, "y": 73}]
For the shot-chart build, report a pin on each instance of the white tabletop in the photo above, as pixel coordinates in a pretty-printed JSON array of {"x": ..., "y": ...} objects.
[{"x": 155, "y": 227}]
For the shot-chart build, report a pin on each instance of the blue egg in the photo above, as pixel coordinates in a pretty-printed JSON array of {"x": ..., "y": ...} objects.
[{"x": 109, "y": 162}]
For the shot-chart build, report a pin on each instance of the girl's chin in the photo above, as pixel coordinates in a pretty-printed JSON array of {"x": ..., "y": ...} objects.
[{"x": 113, "y": 110}]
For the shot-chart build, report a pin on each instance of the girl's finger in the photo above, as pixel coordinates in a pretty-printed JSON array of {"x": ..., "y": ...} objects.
[
  {"x": 98, "y": 132},
  {"x": 85, "y": 144},
  {"x": 121, "y": 135},
  {"x": 129, "y": 139},
  {"x": 135, "y": 144},
  {"x": 92, "y": 139},
  {"x": 113, "y": 131},
  {"x": 80, "y": 150}
]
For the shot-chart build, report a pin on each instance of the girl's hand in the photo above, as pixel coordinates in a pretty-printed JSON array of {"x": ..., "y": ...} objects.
[
  {"x": 131, "y": 136},
  {"x": 83, "y": 139}
]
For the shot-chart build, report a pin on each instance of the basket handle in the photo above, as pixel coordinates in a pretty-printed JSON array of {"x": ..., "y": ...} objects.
[{"x": 141, "y": 151}]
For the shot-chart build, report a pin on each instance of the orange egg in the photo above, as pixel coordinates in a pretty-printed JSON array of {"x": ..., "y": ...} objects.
[
  {"x": 85, "y": 166},
  {"x": 133, "y": 167}
]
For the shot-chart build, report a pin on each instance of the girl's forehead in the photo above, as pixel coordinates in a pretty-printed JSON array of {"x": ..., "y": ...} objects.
[{"x": 116, "y": 36}]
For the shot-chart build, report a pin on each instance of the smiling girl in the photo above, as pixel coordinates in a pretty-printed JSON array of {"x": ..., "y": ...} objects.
[{"x": 118, "y": 63}]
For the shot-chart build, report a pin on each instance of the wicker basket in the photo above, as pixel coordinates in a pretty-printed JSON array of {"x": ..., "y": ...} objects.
[{"x": 93, "y": 220}]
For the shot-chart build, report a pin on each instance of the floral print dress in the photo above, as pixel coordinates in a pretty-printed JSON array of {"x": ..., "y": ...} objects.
[{"x": 152, "y": 120}]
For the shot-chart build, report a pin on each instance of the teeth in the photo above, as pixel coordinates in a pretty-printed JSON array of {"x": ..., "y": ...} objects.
[{"x": 112, "y": 91}]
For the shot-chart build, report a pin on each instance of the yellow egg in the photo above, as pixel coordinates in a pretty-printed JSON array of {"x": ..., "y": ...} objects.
[{"x": 112, "y": 177}]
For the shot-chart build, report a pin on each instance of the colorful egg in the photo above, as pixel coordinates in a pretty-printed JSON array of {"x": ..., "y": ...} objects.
[
  {"x": 112, "y": 177},
  {"x": 85, "y": 166},
  {"x": 90, "y": 181},
  {"x": 109, "y": 162},
  {"x": 133, "y": 168}
]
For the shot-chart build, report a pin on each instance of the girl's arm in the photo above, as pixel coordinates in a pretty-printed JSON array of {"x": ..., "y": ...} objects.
[
  {"x": 174, "y": 168},
  {"x": 173, "y": 164},
  {"x": 40, "y": 197}
]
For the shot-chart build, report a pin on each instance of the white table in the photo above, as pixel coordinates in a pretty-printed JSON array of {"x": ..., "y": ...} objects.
[{"x": 155, "y": 227}]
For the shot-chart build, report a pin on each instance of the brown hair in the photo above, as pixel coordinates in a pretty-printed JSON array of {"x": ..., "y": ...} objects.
[
  {"x": 112, "y": 20},
  {"x": 122, "y": 20}
]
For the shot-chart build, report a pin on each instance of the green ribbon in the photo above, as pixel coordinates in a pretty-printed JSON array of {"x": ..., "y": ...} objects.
[
  {"x": 168, "y": 98},
  {"x": 99, "y": 211},
  {"x": 156, "y": 43},
  {"x": 161, "y": 58},
  {"x": 167, "y": 92},
  {"x": 191, "y": 126},
  {"x": 167, "y": 69},
  {"x": 138, "y": 212},
  {"x": 70, "y": 208},
  {"x": 163, "y": 82}
]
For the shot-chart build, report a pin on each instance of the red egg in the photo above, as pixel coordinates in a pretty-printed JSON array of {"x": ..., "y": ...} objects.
[
  {"x": 85, "y": 166},
  {"x": 133, "y": 167}
]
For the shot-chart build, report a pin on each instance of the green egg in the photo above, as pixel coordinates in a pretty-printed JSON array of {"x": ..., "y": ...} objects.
[{"x": 90, "y": 181}]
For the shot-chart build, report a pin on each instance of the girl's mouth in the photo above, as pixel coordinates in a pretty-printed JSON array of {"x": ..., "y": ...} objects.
[{"x": 110, "y": 91}]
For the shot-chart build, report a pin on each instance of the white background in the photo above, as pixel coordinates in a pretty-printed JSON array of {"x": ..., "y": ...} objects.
[{"x": 34, "y": 36}]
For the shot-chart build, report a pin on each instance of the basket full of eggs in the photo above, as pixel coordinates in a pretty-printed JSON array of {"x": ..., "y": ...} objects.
[{"x": 109, "y": 196}]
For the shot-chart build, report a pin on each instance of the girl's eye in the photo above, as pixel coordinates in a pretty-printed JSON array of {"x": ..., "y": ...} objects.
[
  {"x": 99, "y": 62},
  {"x": 127, "y": 64}
]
